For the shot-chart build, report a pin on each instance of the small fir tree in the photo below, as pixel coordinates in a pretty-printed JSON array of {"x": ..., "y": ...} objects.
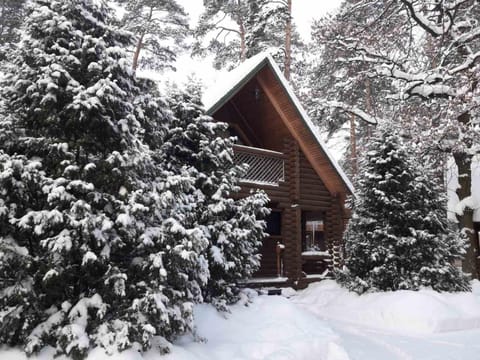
[{"x": 399, "y": 236}]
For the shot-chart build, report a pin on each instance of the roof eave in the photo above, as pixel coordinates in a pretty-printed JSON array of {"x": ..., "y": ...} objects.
[
  {"x": 252, "y": 72},
  {"x": 308, "y": 122},
  {"x": 233, "y": 91}
]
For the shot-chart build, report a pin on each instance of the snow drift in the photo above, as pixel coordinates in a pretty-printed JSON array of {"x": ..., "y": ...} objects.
[{"x": 424, "y": 311}]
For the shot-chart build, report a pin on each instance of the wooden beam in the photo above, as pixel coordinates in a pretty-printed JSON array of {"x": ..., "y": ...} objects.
[
  {"x": 288, "y": 123},
  {"x": 245, "y": 123}
]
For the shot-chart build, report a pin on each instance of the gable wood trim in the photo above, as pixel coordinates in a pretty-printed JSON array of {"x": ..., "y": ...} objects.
[
  {"x": 319, "y": 166},
  {"x": 234, "y": 89}
]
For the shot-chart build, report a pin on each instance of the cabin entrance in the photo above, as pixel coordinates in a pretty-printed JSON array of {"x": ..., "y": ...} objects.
[{"x": 269, "y": 262}]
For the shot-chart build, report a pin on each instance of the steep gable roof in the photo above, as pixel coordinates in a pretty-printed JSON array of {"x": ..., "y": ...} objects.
[{"x": 307, "y": 137}]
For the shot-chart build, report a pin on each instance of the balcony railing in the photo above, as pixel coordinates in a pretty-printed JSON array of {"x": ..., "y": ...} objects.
[{"x": 264, "y": 166}]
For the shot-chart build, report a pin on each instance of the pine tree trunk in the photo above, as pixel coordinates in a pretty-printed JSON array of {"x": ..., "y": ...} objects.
[
  {"x": 243, "y": 42},
  {"x": 136, "y": 56},
  {"x": 369, "y": 103},
  {"x": 137, "y": 53},
  {"x": 353, "y": 145},
  {"x": 463, "y": 162},
  {"x": 288, "y": 41}
]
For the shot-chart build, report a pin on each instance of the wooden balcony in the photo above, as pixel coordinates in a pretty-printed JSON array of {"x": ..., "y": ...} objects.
[{"x": 265, "y": 167}]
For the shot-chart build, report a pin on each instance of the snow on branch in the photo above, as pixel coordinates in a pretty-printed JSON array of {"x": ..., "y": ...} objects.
[
  {"x": 467, "y": 64},
  {"x": 362, "y": 115},
  {"x": 431, "y": 27}
]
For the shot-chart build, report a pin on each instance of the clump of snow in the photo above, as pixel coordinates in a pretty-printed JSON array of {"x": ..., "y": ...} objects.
[{"x": 424, "y": 311}]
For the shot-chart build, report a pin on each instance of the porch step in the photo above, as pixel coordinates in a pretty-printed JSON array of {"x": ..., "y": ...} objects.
[
  {"x": 303, "y": 282},
  {"x": 266, "y": 282}
]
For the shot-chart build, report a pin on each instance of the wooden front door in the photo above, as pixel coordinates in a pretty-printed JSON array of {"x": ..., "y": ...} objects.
[{"x": 268, "y": 264}]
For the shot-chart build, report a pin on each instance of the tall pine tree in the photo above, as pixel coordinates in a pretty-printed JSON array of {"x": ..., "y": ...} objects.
[
  {"x": 160, "y": 28},
  {"x": 237, "y": 30},
  {"x": 398, "y": 237}
]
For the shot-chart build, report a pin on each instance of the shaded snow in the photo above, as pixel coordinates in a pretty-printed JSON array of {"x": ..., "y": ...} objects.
[
  {"x": 424, "y": 311},
  {"x": 270, "y": 328}
]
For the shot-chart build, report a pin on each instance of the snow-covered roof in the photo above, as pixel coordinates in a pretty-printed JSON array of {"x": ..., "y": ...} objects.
[{"x": 218, "y": 94}]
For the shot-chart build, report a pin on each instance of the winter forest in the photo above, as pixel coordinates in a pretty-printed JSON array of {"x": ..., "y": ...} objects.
[{"x": 124, "y": 231}]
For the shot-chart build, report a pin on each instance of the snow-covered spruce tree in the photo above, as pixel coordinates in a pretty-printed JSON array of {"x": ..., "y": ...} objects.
[
  {"x": 233, "y": 226},
  {"x": 399, "y": 236},
  {"x": 90, "y": 254}
]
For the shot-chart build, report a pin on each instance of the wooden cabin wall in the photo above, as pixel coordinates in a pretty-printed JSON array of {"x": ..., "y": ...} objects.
[
  {"x": 302, "y": 190},
  {"x": 313, "y": 193},
  {"x": 314, "y": 196},
  {"x": 293, "y": 213},
  {"x": 265, "y": 115}
]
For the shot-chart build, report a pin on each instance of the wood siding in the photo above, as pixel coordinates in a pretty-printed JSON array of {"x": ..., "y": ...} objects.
[
  {"x": 296, "y": 126},
  {"x": 313, "y": 192}
]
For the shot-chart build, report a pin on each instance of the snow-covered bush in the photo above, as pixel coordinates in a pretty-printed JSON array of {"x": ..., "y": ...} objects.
[
  {"x": 399, "y": 236},
  {"x": 231, "y": 225},
  {"x": 81, "y": 192}
]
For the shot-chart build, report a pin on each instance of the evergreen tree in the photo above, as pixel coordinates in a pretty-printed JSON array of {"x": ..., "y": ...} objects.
[
  {"x": 398, "y": 237},
  {"x": 160, "y": 28},
  {"x": 231, "y": 226},
  {"x": 405, "y": 48},
  {"x": 90, "y": 252},
  {"x": 11, "y": 17},
  {"x": 11, "y": 12},
  {"x": 258, "y": 26}
]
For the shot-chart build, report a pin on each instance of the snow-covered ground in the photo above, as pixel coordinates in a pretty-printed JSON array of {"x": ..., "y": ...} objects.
[{"x": 326, "y": 322}]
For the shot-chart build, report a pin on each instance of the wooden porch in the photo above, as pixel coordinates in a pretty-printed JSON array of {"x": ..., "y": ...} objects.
[{"x": 265, "y": 167}]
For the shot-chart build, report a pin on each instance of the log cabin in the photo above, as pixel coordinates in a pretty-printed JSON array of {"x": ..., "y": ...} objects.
[{"x": 287, "y": 159}]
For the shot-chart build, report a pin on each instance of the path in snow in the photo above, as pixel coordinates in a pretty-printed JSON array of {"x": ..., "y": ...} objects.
[
  {"x": 362, "y": 343},
  {"x": 397, "y": 326}
]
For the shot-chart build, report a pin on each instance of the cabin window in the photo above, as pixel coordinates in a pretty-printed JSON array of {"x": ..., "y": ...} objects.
[
  {"x": 274, "y": 223},
  {"x": 313, "y": 231}
]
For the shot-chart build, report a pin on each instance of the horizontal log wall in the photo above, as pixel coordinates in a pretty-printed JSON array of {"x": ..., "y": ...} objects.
[{"x": 313, "y": 193}]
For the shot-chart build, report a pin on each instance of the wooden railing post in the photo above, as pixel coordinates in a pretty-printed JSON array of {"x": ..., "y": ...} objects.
[{"x": 280, "y": 248}]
